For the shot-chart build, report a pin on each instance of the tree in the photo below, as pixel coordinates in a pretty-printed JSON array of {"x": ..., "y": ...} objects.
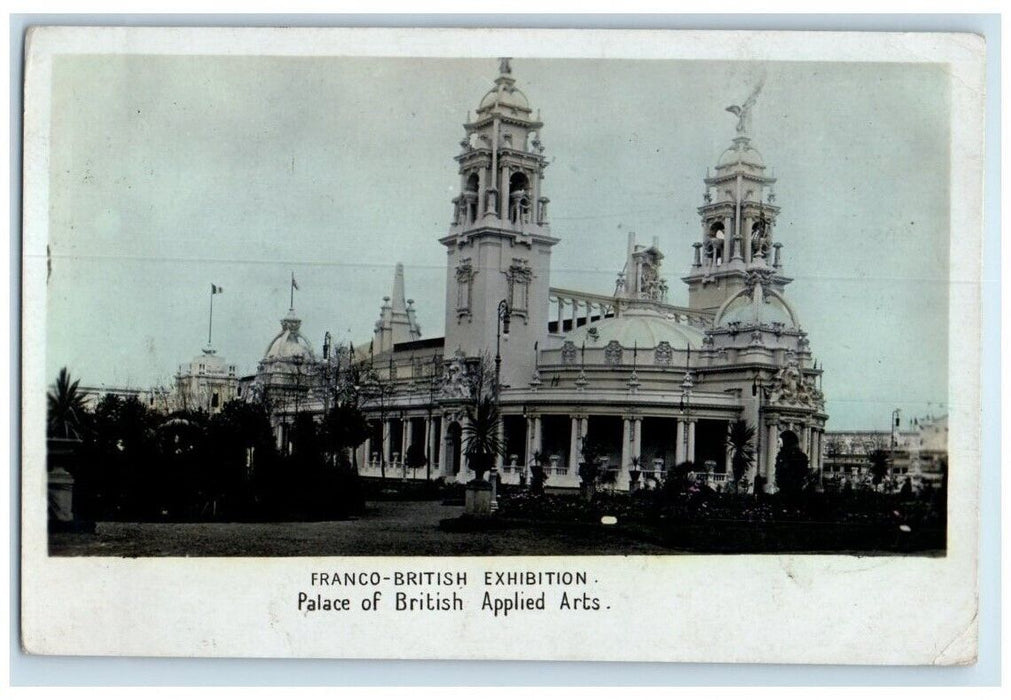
[
  {"x": 415, "y": 457},
  {"x": 879, "y": 465},
  {"x": 346, "y": 427},
  {"x": 740, "y": 442},
  {"x": 791, "y": 466},
  {"x": 66, "y": 412},
  {"x": 119, "y": 466},
  {"x": 538, "y": 473},
  {"x": 481, "y": 441},
  {"x": 589, "y": 465}
]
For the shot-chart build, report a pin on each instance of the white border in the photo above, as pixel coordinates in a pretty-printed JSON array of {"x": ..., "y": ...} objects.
[{"x": 62, "y": 597}]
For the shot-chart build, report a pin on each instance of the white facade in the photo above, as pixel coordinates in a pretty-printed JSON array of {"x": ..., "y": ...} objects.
[
  {"x": 206, "y": 383},
  {"x": 651, "y": 383}
]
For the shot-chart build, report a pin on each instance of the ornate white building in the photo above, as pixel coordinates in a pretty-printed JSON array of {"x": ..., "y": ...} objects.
[
  {"x": 206, "y": 383},
  {"x": 650, "y": 382}
]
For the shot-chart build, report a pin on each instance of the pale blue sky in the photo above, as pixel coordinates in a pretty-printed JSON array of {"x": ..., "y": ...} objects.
[{"x": 170, "y": 173}]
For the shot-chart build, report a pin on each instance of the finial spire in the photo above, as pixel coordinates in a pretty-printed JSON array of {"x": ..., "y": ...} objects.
[
  {"x": 398, "y": 299},
  {"x": 503, "y": 66}
]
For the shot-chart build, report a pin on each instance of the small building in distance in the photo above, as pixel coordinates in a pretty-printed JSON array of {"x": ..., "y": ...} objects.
[
  {"x": 206, "y": 383},
  {"x": 919, "y": 453}
]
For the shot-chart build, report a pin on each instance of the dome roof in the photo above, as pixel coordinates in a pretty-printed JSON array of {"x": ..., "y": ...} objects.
[
  {"x": 741, "y": 152},
  {"x": 505, "y": 95},
  {"x": 761, "y": 308},
  {"x": 642, "y": 328},
  {"x": 289, "y": 343}
]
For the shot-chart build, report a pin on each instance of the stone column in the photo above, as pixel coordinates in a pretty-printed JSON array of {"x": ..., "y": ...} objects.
[
  {"x": 482, "y": 184},
  {"x": 729, "y": 457},
  {"x": 538, "y": 439},
  {"x": 504, "y": 194},
  {"x": 464, "y": 474},
  {"x": 528, "y": 450},
  {"x": 429, "y": 444},
  {"x": 637, "y": 437},
  {"x": 626, "y": 454},
  {"x": 575, "y": 312},
  {"x": 690, "y": 456},
  {"x": 679, "y": 441},
  {"x": 405, "y": 437},
  {"x": 573, "y": 445},
  {"x": 814, "y": 460},
  {"x": 387, "y": 441},
  {"x": 443, "y": 451},
  {"x": 367, "y": 445},
  {"x": 748, "y": 254},
  {"x": 772, "y": 448}
]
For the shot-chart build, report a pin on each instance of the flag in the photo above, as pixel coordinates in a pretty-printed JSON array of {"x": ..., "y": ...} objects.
[
  {"x": 215, "y": 289},
  {"x": 294, "y": 284}
]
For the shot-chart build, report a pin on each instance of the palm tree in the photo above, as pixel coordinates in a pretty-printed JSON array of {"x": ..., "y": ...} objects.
[
  {"x": 481, "y": 441},
  {"x": 66, "y": 408},
  {"x": 740, "y": 438}
]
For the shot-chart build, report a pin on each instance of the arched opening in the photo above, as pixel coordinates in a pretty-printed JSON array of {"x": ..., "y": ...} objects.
[
  {"x": 715, "y": 243},
  {"x": 788, "y": 438},
  {"x": 760, "y": 238},
  {"x": 470, "y": 198},
  {"x": 792, "y": 464},
  {"x": 454, "y": 446},
  {"x": 519, "y": 198}
]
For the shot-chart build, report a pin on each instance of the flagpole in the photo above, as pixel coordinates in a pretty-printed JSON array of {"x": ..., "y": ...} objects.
[
  {"x": 291, "y": 301},
  {"x": 210, "y": 318}
]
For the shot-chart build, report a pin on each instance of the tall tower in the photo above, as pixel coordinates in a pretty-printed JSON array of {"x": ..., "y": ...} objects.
[
  {"x": 499, "y": 244},
  {"x": 738, "y": 220}
]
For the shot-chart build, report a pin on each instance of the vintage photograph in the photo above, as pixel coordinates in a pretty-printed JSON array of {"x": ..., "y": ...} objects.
[
  {"x": 371, "y": 306},
  {"x": 527, "y": 328}
]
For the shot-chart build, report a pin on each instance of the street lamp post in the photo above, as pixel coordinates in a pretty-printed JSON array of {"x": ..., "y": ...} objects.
[
  {"x": 686, "y": 407},
  {"x": 895, "y": 429},
  {"x": 433, "y": 386},
  {"x": 759, "y": 389},
  {"x": 501, "y": 331}
]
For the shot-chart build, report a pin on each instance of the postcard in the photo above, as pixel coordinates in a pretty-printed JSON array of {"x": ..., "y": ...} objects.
[{"x": 502, "y": 344}]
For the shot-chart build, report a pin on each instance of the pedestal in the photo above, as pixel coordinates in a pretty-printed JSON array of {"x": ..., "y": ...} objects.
[
  {"x": 61, "y": 495},
  {"x": 477, "y": 499}
]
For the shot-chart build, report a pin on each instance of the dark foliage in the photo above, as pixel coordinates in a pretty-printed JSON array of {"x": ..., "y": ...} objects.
[
  {"x": 879, "y": 465},
  {"x": 66, "y": 415},
  {"x": 481, "y": 441},
  {"x": 415, "y": 458},
  {"x": 135, "y": 464},
  {"x": 740, "y": 442},
  {"x": 792, "y": 471}
]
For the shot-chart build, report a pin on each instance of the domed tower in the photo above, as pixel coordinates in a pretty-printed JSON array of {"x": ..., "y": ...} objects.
[
  {"x": 499, "y": 244},
  {"x": 756, "y": 345},
  {"x": 289, "y": 365},
  {"x": 738, "y": 220}
]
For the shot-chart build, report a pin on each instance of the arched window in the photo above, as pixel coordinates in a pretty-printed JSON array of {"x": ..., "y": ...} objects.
[
  {"x": 715, "y": 244},
  {"x": 470, "y": 198},
  {"x": 519, "y": 198},
  {"x": 760, "y": 237}
]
